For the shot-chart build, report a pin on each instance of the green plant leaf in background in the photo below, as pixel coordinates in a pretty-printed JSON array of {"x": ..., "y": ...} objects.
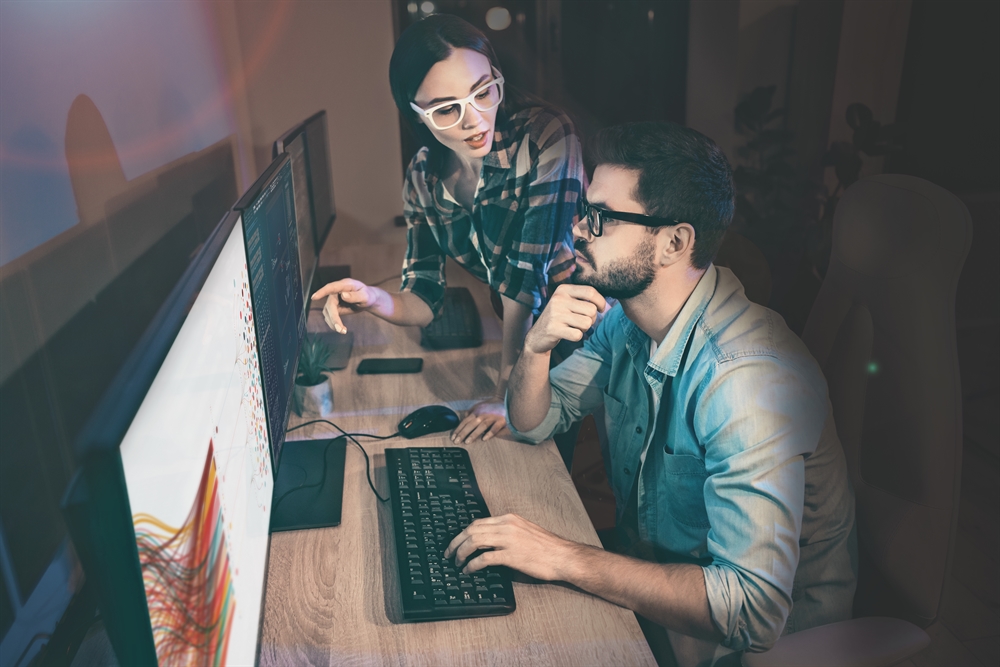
[{"x": 313, "y": 359}]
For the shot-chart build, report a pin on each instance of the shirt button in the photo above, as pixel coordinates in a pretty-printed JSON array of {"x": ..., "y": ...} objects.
[
  {"x": 627, "y": 471},
  {"x": 638, "y": 429}
]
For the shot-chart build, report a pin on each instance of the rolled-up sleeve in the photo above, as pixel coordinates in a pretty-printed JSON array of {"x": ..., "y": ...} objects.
[
  {"x": 542, "y": 251},
  {"x": 423, "y": 265},
  {"x": 756, "y": 433},
  {"x": 577, "y": 387}
]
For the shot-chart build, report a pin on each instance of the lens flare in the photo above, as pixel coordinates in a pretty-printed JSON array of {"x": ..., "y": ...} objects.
[{"x": 498, "y": 18}]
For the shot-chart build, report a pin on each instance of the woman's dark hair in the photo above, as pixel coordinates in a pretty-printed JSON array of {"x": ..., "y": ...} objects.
[
  {"x": 420, "y": 47},
  {"x": 682, "y": 175}
]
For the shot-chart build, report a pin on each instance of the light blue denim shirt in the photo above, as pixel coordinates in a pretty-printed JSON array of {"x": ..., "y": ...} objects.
[{"x": 746, "y": 472}]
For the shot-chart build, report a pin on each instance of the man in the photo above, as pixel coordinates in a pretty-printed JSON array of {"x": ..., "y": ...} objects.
[{"x": 723, "y": 454}]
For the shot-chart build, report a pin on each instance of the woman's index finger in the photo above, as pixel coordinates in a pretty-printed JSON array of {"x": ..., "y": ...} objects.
[{"x": 343, "y": 285}]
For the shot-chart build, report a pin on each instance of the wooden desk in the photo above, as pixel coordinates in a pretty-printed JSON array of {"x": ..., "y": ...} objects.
[{"x": 333, "y": 594}]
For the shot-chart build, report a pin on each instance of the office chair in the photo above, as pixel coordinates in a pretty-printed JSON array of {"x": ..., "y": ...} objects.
[{"x": 883, "y": 330}]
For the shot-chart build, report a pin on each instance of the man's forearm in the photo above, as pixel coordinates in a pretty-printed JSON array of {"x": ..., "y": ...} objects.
[
  {"x": 529, "y": 390},
  {"x": 672, "y": 595}
]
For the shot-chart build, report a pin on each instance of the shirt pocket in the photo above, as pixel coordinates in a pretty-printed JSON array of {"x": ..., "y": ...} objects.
[
  {"x": 615, "y": 414},
  {"x": 685, "y": 489}
]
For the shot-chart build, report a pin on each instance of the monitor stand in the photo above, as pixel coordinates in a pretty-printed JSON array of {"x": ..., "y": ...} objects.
[
  {"x": 309, "y": 485},
  {"x": 340, "y": 347}
]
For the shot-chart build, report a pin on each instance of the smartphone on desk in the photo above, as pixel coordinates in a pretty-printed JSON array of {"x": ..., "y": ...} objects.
[{"x": 377, "y": 366}]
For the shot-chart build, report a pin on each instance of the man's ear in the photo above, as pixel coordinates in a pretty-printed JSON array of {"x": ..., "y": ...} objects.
[{"x": 678, "y": 243}]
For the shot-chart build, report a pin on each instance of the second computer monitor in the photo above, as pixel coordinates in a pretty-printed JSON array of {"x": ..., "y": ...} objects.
[
  {"x": 308, "y": 257},
  {"x": 317, "y": 154},
  {"x": 269, "y": 226}
]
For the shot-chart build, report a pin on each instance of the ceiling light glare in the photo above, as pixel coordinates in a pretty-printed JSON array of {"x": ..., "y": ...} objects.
[
  {"x": 498, "y": 18},
  {"x": 427, "y": 7}
]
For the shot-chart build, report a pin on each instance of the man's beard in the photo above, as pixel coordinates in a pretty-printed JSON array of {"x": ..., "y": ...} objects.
[{"x": 623, "y": 278}]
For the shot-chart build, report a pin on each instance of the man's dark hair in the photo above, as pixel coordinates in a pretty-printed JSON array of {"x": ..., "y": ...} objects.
[{"x": 682, "y": 175}]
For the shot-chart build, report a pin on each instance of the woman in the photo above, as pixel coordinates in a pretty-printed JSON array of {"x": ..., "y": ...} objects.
[{"x": 494, "y": 187}]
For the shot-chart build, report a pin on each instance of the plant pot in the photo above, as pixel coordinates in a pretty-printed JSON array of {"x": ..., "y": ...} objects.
[{"x": 317, "y": 398}]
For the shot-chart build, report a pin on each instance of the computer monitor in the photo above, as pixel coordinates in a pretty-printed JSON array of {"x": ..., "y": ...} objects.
[
  {"x": 276, "y": 296},
  {"x": 295, "y": 146},
  {"x": 313, "y": 133},
  {"x": 271, "y": 235},
  {"x": 171, "y": 514},
  {"x": 306, "y": 145}
]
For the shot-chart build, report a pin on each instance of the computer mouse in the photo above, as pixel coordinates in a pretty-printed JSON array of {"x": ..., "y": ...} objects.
[{"x": 431, "y": 419}]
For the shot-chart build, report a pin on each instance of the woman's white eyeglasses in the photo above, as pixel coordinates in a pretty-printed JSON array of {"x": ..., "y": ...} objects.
[{"x": 447, "y": 115}]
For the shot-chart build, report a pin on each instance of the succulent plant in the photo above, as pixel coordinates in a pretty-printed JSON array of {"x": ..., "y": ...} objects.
[{"x": 312, "y": 361}]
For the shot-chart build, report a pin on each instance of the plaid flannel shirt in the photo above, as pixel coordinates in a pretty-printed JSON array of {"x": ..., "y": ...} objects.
[{"x": 518, "y": 237}]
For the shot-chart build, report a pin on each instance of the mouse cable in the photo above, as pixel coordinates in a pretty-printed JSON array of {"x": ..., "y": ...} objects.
[
  {"x": 350, "y": 436},
  {"x": 358, "y": 435}
]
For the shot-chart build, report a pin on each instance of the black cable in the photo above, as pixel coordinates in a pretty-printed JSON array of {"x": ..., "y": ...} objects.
[
  {"x": 359, "y": 435},
  {"x": 321, "y": 482},
  {"x": 349, "y": 436}
]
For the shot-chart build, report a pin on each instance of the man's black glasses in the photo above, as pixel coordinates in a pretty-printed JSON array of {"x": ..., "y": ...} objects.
[{"x": 595, "y": 216}]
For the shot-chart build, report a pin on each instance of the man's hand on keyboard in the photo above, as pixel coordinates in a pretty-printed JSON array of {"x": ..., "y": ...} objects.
[
  {"x": 485, "y": 420},
  {"x": 344, "y": 297},
  {"x": 513, "y": 542}
]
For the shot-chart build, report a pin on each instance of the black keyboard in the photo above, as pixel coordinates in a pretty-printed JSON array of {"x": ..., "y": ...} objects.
[
  {"x": 434, "y": 495},
  {"x": 458, "y": 324}
]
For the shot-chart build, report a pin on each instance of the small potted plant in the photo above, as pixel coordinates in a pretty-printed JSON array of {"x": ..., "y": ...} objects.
[{"x": 313, "y": 392}]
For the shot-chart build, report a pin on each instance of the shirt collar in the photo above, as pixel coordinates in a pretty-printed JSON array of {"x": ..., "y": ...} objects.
[
  {"x": 671, "y": 350},
  {"x": 502, "y": 153}
]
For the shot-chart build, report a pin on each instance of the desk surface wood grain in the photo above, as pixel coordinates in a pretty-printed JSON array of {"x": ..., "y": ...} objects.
[{"x": 332, "y": 594}]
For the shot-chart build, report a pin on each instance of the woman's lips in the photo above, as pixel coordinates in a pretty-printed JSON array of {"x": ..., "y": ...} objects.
[{"x": 478, "y": 140}]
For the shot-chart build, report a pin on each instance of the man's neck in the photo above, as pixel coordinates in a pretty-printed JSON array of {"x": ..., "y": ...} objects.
[{"x": 655, "y": 310}]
